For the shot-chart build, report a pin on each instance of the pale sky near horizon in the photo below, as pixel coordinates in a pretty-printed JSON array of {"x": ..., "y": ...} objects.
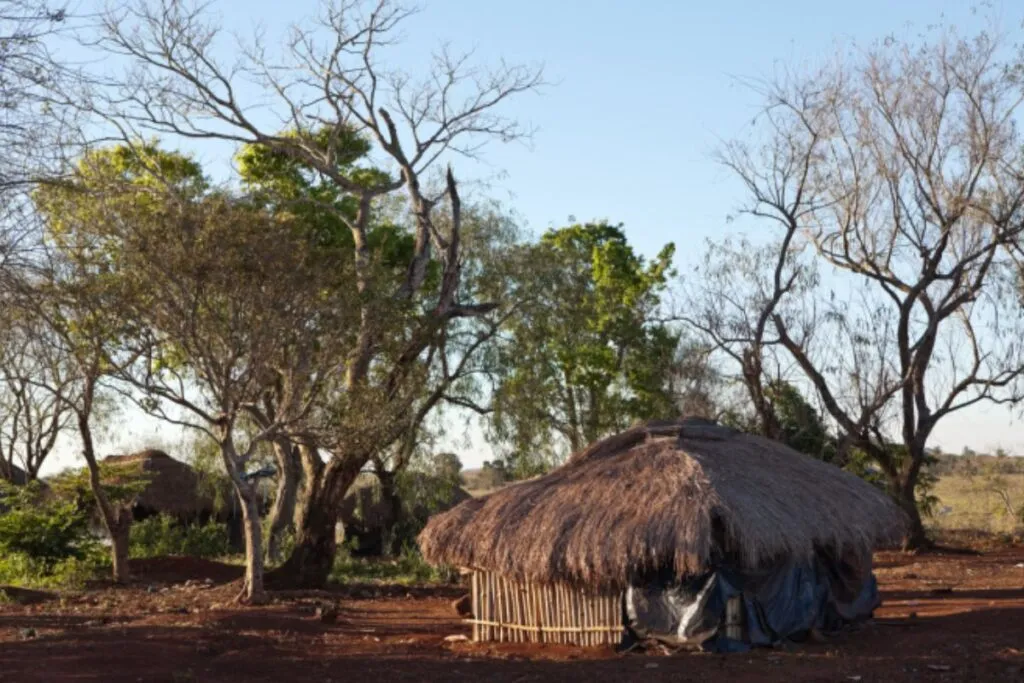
[{"x": 641, "y": 93}]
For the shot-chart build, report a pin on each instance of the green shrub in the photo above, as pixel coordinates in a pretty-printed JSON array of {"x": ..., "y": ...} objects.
[
  {"x": 44, "y": 529},
  {"x": 163, "y": 535},
  {"x": 18, "y": 569},
  {"x": 408, "y": 568}
]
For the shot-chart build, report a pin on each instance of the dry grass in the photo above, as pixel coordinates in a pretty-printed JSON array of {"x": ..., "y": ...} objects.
[
  {"x": 648, "y": 500},
  {"x": 975, "y": 502}
]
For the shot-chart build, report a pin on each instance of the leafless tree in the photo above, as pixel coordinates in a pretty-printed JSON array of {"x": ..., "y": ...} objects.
[
  {"x": 37, "y": 388},
  {"x": 331, "y": 74},
  {"x": 29, "y": 76},
  {"x": 903, "y": 175},
  {"x": 728, "y": 304}
]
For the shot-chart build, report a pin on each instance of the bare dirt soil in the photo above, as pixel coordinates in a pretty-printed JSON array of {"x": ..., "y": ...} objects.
[{"x": 947, "y": 617}]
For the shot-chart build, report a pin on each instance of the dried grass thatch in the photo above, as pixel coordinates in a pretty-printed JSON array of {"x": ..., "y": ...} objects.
[
  {"x": 173, "y": 486},
  {"x": 19, "y": 477},
  {"x": 666, "y": 496}
]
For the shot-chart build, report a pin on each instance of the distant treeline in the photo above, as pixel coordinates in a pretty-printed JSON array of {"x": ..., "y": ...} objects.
[{"x": 974, "y": 464}]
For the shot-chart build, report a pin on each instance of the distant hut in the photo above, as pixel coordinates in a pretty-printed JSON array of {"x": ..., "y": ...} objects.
[
  {"x": 12, "y": 473},
  {"x": 173, "y": 487},
  {"x": 683, "y": 531}
]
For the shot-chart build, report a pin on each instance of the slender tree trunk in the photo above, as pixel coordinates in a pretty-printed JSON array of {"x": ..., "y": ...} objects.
[
  {"x": 117, "y": 521},
  {"x": 309, "y": 565},
  {"x": 253, "y": 591},
  {"x": 119, "y": 536},
  {"x": 282, "y": 514}
]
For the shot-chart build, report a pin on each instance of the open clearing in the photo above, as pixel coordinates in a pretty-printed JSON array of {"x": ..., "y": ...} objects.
[{"x": 947, "y": 617}]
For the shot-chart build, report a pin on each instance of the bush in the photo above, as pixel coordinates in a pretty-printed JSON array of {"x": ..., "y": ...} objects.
[
  {"x": 19, "y": 569},
  {"x": 41, "y": 528},
  {"x": 407, "y": 568},
  {"x": 163, "y": 535}
]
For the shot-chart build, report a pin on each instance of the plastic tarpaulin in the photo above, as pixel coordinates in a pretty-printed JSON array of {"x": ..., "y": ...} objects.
[{"x": 782, "y": 602}]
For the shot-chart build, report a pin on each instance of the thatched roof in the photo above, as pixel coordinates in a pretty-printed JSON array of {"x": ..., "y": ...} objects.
[
  {"x": 675, "y": 496},
  {"x": 19, "y": 477},
  {"x": 173, "y": 487}
]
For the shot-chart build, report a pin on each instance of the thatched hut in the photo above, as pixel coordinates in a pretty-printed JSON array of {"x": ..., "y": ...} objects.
[
  {"x": 684, "y": 531},
  {"x": 13, "y": 474},
  {"x": 172, "y": 487}
]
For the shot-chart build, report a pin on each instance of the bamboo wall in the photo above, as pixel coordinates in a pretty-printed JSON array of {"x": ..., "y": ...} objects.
[{"x": 512, "y": 612}]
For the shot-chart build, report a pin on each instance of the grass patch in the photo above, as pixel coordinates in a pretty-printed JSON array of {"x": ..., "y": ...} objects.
[
  {"x": 22, "y": 571},
  {"x": 992, "y": 503},
  {"x": 407, "y": 569}
]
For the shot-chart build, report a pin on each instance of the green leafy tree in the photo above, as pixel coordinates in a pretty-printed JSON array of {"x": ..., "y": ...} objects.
[
  {"x": 800, "y": 425},
  {"x": 585, "y": 356},
  {"x": 415, "y": 125}
]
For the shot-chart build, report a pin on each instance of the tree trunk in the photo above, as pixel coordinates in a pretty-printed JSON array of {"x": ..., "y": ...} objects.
[
  {"x": 116, "y": 521},
  {"x": 916, "y": 538},
  {"x": 282, "y": 514},
  {"x": 389, "y": 497},
  {"x": 253, "y": 591},
  {"x": 119, "y": 536},
  {"x": 309, "y": 565}
]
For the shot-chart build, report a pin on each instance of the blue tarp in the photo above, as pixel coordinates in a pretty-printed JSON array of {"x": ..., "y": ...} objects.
[{"x": 781, "y": 602}]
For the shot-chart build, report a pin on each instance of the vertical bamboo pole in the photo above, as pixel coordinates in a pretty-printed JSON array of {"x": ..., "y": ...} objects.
[
  {"x": 513, "y": 604},
  {"x": 574, "y": 599},
  {"x": 520, "y": 606},
  {"x": 504, "y": 610},
  {"x": 560, "y": 613},
  {"x": 549, "y": 612},
  {"x": 527, "y": 612},
  {"x": 603, "y": 616},
  {"x": 564, "y": 612},
  {"x": 543, "y": 611},
  {"x": 590, "y": 619},
  {"x": 557, "y": 591},
  {"x": 509, "y": 620},
  {"x": 485, "y": 598},
  {"x": 495, "y": 608},
  {"x": 613, "y": 617},
  {"x": 474, "y": 610},
  {"x": 539, "y": 611},
  {"x": 516, "y": 616},
  {"x": 531, "y": 607},
  {"x": 485, "y": 581},
  {"x": 520, "y": 617}
]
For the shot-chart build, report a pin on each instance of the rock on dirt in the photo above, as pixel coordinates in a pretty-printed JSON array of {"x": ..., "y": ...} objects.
[{"x": 326, "y": 613}]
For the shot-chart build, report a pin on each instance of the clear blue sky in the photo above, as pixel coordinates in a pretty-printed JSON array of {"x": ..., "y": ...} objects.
[{"x": 641, "y": 93}]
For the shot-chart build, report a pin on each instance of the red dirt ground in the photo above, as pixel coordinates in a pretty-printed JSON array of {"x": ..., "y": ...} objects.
[{"x": 947, "y": 617}]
